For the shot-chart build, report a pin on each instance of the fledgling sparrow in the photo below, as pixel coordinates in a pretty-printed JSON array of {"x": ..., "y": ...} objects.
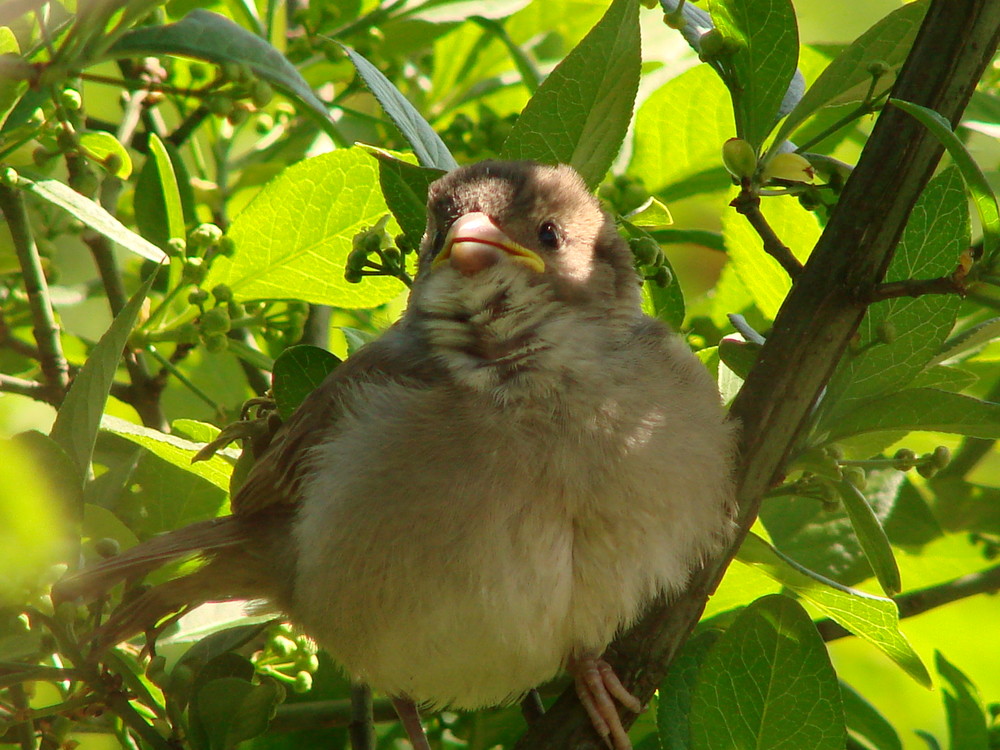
[{"x": 491, "y": 490}]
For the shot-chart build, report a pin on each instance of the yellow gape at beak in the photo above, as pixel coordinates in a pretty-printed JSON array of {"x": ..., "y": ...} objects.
[{"x": 475, "y": 243}]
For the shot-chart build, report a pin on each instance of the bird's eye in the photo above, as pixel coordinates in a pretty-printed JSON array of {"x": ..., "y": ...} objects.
[{"x": 548, "y": 235}]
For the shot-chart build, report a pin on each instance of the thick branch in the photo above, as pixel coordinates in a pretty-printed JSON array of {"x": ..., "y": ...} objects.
[
  {"x": 813, "y": 327},
  {"x": 45, "y": 328},
  {"x": 922, "y": 600}
]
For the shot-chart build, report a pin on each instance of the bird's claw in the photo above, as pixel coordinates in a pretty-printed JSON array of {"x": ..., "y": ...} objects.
[{"x": 596, "y": 685}]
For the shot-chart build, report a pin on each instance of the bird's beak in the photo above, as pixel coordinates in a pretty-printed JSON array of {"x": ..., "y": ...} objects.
[{"x": 475, "y": 243}]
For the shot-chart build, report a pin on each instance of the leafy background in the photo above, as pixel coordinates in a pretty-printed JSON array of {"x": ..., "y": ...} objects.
[{"x": 223, "y": 159}]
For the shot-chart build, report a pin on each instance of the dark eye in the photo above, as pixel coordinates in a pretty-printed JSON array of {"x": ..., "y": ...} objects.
[{"x": 548, "y": 235}]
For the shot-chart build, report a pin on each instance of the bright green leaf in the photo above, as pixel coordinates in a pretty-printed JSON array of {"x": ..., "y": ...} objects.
[
  {"x": 975, "y": 181},
  {"x": 677, "y": 691},
  {"x": 93, "y": 215},
  {"x": 872, "y": 537},
  {"x": 898, "y": 337},
  {"x": 768, "y": 683},
  {"x": 404, "y": 186},
  {"x": 760, "y": 70},
  {"x": 292, "y": 241},
  {"x": 761, "y": 274},
  {"x": 79, "y": 418},
  {"x": 231, "y": 710},
  {"x": 427, "y": 144},
  {"x": 653, "y": 215},
  {"x": 966, "y": 718},
  {"x": 99, "y": 146},
  {"x": 847, "y": 79},
  {"x": 174, "y": 450},
  {"x": 926, "y": 409},
  {"x": 872, "y": 618},
  {"x": 680, "y": 129},
  {"x": 864, "y": 721},
  {"x": 204, "y": 35},
  {"x": 298, "y": 371},
  {"x": 169, "y": 191},
  {"x": 969, "y": 341},
  {"x": 581, "y": 112}
]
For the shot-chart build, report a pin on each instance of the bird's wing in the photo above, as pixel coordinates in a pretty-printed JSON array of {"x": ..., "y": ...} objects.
[{"x": 276, "y": 478}]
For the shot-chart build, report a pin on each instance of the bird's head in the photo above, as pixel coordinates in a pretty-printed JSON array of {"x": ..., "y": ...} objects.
[{"x": 519, "y": 266}]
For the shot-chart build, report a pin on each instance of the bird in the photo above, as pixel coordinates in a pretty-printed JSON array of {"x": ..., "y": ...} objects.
[{"x": 490, "y": 491}]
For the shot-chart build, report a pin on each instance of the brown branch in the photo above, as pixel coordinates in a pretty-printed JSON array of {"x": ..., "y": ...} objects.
[
  {"x": 747, "y": 203},
  {"x": 812, "y": 330},
  {"x": 917, "y": 288},
  {"x": 922, "y": 600}
]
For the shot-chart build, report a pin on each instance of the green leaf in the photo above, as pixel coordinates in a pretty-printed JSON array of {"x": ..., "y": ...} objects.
[
  {"x": 680, "y": 129},
  {"x": 677, "y": 692},
  {"x": 975, "y": 181},
  {"x": 846, "y": 79},
  {"x": 864, "y": 721},
  {"x": 926, "y": 409},
  {"x": 292, "y": 241},
  {"x": 872, "y": 537},
  {"x": 945, "y": 378},
  {"x": 98, "y": 145},
  {"x": 404, "y": 186},
  {"x": 966, "y": 718},
  {"x": 10, "y": 86},
  {"x": 170, "y": 193},
  {"x": 759, "y": 71},
  {"x": 768, "y": 683},
  {"x": 231, "y": 710},
  {"x": 581, "y": 112},
  {"x": 174, "y": 450},
  {"x": 427, "y": 145},
  {"x": 869, "y": 617},
  {"x": 298, "y": 371},
  {"x": 665, "y": 303},
  {"x": 32, "y": 525},
  {"x": 761, "y": 274},
  {"x": 969, "y": 341},
  {"x": 898, "y": 337},
  {"x": 654, "y": 214},
  {"x": 156, "y": 214},
  {"x": 739, "y": 356},
  {"x": 76, "y": 425},
  {"x": 93, "y": 215},
  {"x": 204, "y": 35},
  {"x": 208, "y": 649}
]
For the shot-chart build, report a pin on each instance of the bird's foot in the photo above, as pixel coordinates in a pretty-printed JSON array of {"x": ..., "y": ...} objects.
[
  {"x": 409, "y": 717},
  {"x": 596, "y": 685}
]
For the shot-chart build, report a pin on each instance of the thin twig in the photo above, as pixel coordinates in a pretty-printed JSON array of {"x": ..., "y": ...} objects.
[
  {"x": 920, "y": 601},
  {"x": 747, "y": 203},
  {"x": 917, "y": 288},
  {"x": 31, "y": 389},
  {"x": 45, "y": 328}
]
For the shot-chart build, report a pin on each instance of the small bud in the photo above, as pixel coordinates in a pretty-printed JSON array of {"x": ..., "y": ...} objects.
[
  {"x": 306, "y": 645},
  {"x": 205, "y": 234},
  {"x": 674, "y": 20},
  {"x": 303, "y": 683},
  {"x": 214, "y": 321},
  {"x": 222, "y": 292},
  {"x": 878, "y": 68},
  {"x": 216, "y": 343},
  {"x": 226, "y": 246},
  {"x": 66, "y": 137},
  {"x": 739, "y": 158},
  {"x": 712, "y": 44},
  {"x": 198, "y": 297},
  {"x": 219, "y": 105},
  {"x": 238, "y": 115},
  {"x": 663, "y": 277},
  {"x": 176, "y": 246},
  {"x": 904, "y": 460},
  {"x": 107, "y": 547},
  {"x": 927, "y": 469},
  {"x": 645, "y": 249},
  {"x": 789, "y": 166},
  {"x": 941, "y": 456},
  {"x": 834, "y": 451},
  {"x": 649, "y": 3},
  {"x": 187, "y": 333},
  {"x": 886, "y": 332},
  {"x": 352, "y": 275},
  {"x": 856, "y": 476},
  {"x": 308, "y": 663},
  {"x": 8, "y": 177},
  {"x": 41, "y": 156},
  {"x": 194, "y": 271},
  {"x": 261, "y": 94},
  {"x": 282, "y": 645},
  {"x": 71, "y": 100}
]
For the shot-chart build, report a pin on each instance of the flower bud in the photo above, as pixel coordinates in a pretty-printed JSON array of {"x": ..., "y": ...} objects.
[
  {"x": 941, "y": 456},
  {"x": 739, "y": 158},
  {"x": 107, "y": 547},
  {"x": 789, "y": 166},
  {"x": 904, "y": 460}
]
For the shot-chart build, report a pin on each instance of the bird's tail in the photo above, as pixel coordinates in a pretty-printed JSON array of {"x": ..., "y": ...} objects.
[{"x": 218, "y": 540}]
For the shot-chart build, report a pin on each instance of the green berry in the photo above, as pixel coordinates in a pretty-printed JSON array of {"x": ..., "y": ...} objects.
[
  {"x": 645, "y": 250},
  {"x": 261, "y": 94},
  {"x": 878, "y": 68},
  {"x": 226, "y": 246},
  {"x": 904, "y": 459},
  {"x": 856, "y": 476},
  {"x": 71, "y": 100},
  {"x": 198, "y": 297},
  {"x": 215, "y": 321},
  {"x": 8, "y": 177},
  {"x": 303, "y": 683},
  {"x": 219, "y": 105},
  {"x": 941, "y": 457},
  {"x": 107, "y": 547},
  {"x": 176, "y": 246},
  {"x": 216, "y": 343},
  {"x": 663, "y": 277},
  {"x": 222, "y": 292}
]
